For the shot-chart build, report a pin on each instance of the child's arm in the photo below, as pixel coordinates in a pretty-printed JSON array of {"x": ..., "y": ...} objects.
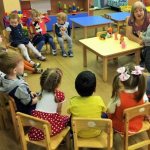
[
  {"x": 59, "y": 108},
  {"x": 25, "y": 96},
  {"x": 69, "y": 30},
  {"x": 57, "y": 31},
  {"x": 45, "y": 18},
  {"x": 114, "y": 102}
]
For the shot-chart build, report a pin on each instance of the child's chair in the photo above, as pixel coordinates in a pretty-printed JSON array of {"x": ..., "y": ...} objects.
[
  {"x": 130, "y": 113},
  {"x": 6, "y": 40},
  {"x": 4, "y": 117},
  {"x": 50, "y": 143},
  {"x": 92, "y": 133},
  {"x": 13, "y": 110}
]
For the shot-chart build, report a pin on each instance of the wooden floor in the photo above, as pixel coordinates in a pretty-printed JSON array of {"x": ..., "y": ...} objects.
[{"x": 71, "y": 67}]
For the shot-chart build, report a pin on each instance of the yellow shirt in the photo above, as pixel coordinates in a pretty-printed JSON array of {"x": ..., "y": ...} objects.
[{"x": 91, "y": 106}]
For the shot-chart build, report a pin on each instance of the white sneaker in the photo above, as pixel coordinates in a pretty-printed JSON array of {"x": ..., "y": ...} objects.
[{"x": 54, "y": 52}]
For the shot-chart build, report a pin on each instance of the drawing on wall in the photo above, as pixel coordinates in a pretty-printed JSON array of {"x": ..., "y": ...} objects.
[{"x": 41, "y": 5}]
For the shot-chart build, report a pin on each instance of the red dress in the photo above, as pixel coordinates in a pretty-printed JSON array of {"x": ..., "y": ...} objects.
[
  {"x": 127, "y": 100},
  {"x": 58, "y": 122}
]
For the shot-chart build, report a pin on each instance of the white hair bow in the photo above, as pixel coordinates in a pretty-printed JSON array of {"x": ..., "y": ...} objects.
[
  {"x": 123, "y": 74},
  {"x": 138, "y": 70}
]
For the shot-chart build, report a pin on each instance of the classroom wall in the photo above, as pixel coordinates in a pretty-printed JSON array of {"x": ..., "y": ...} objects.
[{"x": 11, "y": 5}]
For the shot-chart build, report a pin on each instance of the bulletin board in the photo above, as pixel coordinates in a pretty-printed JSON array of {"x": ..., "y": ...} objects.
[{"x": 41, "y": 5}]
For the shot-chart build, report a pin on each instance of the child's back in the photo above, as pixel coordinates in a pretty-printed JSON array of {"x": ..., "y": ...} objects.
[{"x": 86, "y": 105}]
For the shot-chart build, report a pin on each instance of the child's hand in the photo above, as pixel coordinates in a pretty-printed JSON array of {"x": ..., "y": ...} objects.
[
  {"x": 139, "y": 34},
  {"x": 35, "y": 100},
  {"x": 147, "y": 118},
  {"x": 33, "y": 94}
]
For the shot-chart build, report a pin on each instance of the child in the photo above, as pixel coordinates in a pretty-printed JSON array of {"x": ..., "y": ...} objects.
[
  {"x": 38, "y": 29},
  {"x": 86, "y": 105},
  {"x": 49, "y": 106},
  {"x": 18, "y": 39},
  {"x": 33, "y": 68},
  {"x": 11, "y": 64},
  {"x": 63, "y": 31},
  {"x": 128, "y": 90},
  {"x": 145, "y": 36}
]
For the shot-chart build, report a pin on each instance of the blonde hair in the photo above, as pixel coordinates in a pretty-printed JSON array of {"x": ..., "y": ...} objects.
[
  {"x": 62, "y": 16},
  {"x": 50, "y": 79},
  {"x": 136, "y": 5},
  {"x": 35, "y": 13},
  {"x": 14, "y": 16},
  {"x": 9, "y": 60}
]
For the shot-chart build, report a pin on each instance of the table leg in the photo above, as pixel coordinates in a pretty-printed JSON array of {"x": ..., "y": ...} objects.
[
  {"x": 84, "y": 57},
  {"x": 73, "y": 30},
  {"x": 95, "y": 31},
  {"x": 85, "y": 32},
  {"x": 137, "y": 56},
  {"x": 105, "y": 62}
]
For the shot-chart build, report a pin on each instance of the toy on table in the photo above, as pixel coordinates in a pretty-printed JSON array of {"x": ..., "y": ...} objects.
[
  {"x": 59, "y": 5},
  {"x": 123, "y": 44},
  {"x": 121, "y": 39},
  {"x": 116, "y": 36},
  {"x": 107, "y": 35}
]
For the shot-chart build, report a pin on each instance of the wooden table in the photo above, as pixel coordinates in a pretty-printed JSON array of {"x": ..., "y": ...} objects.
[
  {"x": 118, "y": 17},
  {"x": 89, "y": 22},
  {"x": 109, "y": 49}
]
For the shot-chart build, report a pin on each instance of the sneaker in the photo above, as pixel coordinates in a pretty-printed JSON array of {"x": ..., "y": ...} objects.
[
  {"x": 42, "y": 58},
  {"x": 38, "y": 70},
  {"x": 37, "y": 65},
  {"x": 64, "y": 54},
  {"x": 54, "y": 52},
  {"x": 32, "y": 62},
  {"x": 70, "y": 54}
]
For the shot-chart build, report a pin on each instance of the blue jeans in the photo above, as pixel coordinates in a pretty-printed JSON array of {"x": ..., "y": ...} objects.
[{"x": 41, "y": 43}]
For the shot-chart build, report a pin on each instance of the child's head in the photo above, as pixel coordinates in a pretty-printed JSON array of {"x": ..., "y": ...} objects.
[
  {"x": 11, "y": 62},
  {"x": 35, "y": 15},
  {"x": 129, "y": 77},
  {"x": 50, "y": 79},
  {"x": 61, "y": 18},
  {"x": 14, "y": 19},
  {"x": 85, "y": 83}
]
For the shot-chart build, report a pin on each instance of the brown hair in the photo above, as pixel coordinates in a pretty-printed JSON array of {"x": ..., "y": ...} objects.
[
  {"x": 131, "y": 83},
  {"x": 50, "y": 79},
  {"x": 136, "y": 5},
  {"x": 62, "y": 16},
  {"x": 9, "y": 60},
  {"x": 35, "y": 13},
  {"x": 14, "y": 16}
]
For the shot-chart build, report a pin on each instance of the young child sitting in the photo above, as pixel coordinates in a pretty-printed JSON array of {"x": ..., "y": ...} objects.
[
  {"x": 63, "y": 32},
  {"x": 145, "y": 36},
  {"x": 12, "y": 65},
  {"x": 18, "y": 39},
  {"x": 49, "y": 106},
  {"x": 38, "y": 29},
  {"x": 86, "y": 104},
  {"x": 128, "y": 90}
]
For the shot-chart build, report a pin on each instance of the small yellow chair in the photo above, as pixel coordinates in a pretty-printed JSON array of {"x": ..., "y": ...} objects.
[
  {"x": 50, "y": 143},
  {"x": 100, "y": 129},
  {"x": 131, "y": 113},
  {"x": 6, "y": 40},
  {"x": 13, "y": 110}
]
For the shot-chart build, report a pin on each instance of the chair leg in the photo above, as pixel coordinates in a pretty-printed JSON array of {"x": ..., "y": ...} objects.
[{"x": 68, "y": 143}]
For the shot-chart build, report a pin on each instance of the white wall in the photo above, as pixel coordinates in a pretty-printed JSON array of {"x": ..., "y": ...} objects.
[{"x": 41, "y": 5}]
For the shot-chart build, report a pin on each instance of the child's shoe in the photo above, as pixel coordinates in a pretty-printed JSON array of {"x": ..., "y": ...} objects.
[
  {"x": 54, "y": 52},
  {"x": 64, "y": 54},
  {"x": 42, "y": 58},
  {"x": 38, "y": 70},
  {"x": 32, "y": 62},
  {"x": 37, "y": 65},
  {"x": 70, "y": 53}
]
